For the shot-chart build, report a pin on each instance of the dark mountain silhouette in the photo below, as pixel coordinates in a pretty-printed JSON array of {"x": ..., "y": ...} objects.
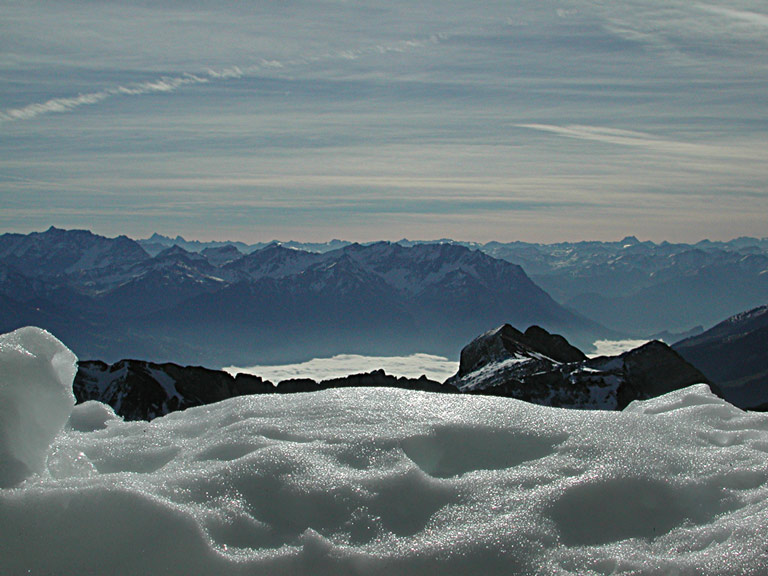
[
  {"x": 734, "y": 354},
  {"x": 139, "y": 390}
]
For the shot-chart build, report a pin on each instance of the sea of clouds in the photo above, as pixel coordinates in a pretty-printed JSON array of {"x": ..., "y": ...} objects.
[{"x": 413, "y": 366}]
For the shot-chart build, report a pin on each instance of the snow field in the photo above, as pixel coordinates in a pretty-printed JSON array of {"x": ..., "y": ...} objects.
[{"x": 387, "y": 481}]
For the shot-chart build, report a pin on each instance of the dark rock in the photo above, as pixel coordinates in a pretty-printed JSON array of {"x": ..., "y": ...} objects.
[
  {"x": 734, "y": 354},
  {"x": 552, "y": 345},
  {"x": 542, "y": 368},
  {"x": 655, "y": 369},
  {"x": 506, "y": 342},
  {"x": 498, "y": 344},
  {"x": 378, "y": 378},
  {"x": 139, "y": 390},
  {"x": 293, "y": 385}
]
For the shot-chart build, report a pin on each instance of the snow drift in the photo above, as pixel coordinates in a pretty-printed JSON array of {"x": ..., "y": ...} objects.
[
  {"x": 386, "y": 481},
  {"x": 36, "y": 373}
]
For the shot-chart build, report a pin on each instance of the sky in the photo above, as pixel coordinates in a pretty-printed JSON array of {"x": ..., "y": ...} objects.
[{"x": 534, "y": 120}]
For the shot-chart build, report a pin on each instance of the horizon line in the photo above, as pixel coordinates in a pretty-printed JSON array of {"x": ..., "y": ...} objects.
[{"x": 266, "y": 242}]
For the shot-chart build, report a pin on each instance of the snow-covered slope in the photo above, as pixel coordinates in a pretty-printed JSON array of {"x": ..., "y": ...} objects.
[{"x": 381, "y": 482}]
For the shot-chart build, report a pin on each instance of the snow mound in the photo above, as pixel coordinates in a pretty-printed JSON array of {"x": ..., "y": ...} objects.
[
  {"x": 389, "y": 481},
  {"x": 91, "y": 415},
  {"x": 36, "y": 373}
]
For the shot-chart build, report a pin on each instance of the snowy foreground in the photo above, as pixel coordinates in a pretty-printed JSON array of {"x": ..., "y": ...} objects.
[{"x": 374, "y": 481}]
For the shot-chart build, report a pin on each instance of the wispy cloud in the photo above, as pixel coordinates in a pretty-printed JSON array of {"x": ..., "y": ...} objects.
[
  {"x": 620, "y": 137},
  {"x": 59, "y": 105},
  {"x": 749, "y": 17},
  {"x": 167, "y": 84},
  {"x": 163, "y": 84}
]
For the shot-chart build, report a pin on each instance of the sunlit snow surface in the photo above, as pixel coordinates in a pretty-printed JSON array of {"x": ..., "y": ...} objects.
[
  {"x": 388, "y": 481},
  {"x": 36, "y": 399},
  {"x": 433, "y": 367}
]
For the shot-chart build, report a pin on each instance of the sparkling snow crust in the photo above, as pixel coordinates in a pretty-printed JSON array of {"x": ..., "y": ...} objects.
[{"x": 388, "y": 481}]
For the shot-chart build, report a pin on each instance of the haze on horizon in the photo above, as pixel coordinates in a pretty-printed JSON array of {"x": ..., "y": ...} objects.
[{"x": 540, "y": 121}]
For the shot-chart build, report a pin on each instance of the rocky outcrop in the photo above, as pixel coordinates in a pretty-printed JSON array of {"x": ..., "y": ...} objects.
[
  {"x": 376, "y": 378},
  {"x": 655, "y": 369},
  {"x": 543, "y": 368},
  {"x": 534, "y": 366},
  {"x": 552, "y": 345},
  {"x": 139, "y": 390},
  {"x": 506, "y": 342},
  {"x": 379, "y": 378}
]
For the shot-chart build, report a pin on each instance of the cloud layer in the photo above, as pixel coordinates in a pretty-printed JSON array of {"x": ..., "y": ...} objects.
[{"x": 413, "y": 366}]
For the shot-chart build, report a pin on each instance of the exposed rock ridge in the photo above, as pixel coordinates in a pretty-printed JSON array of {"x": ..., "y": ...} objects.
[
  {"x": 140, "y": 390},
  {"x": 543, "y": 368},
  {"x": 506, "y": 341},
  {"x": 534, "y": 366}
]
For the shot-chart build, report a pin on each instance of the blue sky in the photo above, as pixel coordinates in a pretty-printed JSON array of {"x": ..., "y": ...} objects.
[{"x": 308, "y": 120}]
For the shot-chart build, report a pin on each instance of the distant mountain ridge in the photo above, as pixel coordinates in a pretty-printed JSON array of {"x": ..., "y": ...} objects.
[
  {"x": 109, "y": 298},
  {"x": 77, "y": 283},
  {"x": 157, "y": 243},
  {"x": 638, "y": 288},
  {"x": 540, "y": 257},
  {"x": 57, "y": 251}
]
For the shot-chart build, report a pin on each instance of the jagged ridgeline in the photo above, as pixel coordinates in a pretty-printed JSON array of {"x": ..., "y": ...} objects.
[
  {"x": 535, "y": 366},
  {"x": 109, "y": 299}
]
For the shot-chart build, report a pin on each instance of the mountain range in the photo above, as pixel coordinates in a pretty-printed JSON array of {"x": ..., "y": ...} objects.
[
  {"x": 218, "y": 303},
  {"x": 108, "y": 298},
  {"x": 638, "y": 288}
]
